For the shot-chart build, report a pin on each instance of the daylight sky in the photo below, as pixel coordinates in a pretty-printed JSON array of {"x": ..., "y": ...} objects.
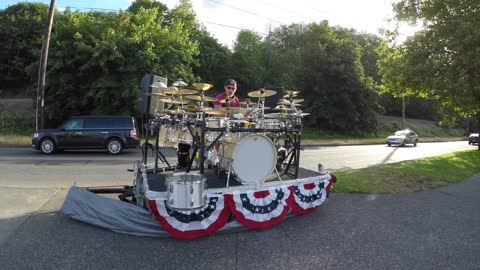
[{"x": 224, "y": 18}]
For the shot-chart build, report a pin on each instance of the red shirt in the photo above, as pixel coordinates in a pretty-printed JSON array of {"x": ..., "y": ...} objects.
[{"x": 234, "y": 102}]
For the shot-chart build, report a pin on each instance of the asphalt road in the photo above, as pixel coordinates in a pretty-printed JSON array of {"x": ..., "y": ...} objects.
[{"x": 437, "y": 229}]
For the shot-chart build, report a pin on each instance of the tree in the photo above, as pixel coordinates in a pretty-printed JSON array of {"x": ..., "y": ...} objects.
[
  {"x": 97, "y": 59},
  {"x": 212, "y": 60},
  {"x": 246, "y": 62},
  {"x": 333, "y": 82},
  {"x": 21, "y": 30},
  {"x": 442, "y": 60}
]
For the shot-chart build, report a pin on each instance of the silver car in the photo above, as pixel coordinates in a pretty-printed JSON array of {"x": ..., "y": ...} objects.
[{"x": 403, "y": 137}]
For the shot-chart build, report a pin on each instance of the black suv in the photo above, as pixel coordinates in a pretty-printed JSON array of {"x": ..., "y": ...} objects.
[{"x": 113, "y": 133}]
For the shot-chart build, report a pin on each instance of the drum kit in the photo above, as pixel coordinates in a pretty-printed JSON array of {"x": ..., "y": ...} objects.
[{"x": 243, "y": 143}]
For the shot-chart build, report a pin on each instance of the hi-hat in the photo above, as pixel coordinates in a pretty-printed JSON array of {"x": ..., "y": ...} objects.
[
  {"x": 201, "y": 98},
  {"x": 158, "y": 85},
  {"x": 179, "y": 92},
  {"x": 282, "y": 108},
  {"x": 288, "y": 103},
  {"x": 202, "y": 86},
  {"x": 290, "y": 93},
  {"x": 262, "y": 93},
  {"x": 179, "y": 83},
  {"x": 172, "y": 101}
]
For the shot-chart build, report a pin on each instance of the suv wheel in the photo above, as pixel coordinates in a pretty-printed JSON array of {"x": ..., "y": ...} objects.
[
  {"x": 47, "y": 146},
  {"x": 114, "y": 146}
]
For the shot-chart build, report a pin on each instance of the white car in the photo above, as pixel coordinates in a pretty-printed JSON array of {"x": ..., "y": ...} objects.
[{"x": 403, "y": 137}]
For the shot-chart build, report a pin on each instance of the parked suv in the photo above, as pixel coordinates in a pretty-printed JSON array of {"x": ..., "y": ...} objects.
[{"x": 113, "y": 133}]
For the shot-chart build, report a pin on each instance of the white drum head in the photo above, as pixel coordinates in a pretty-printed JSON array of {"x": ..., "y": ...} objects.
[{"x": 254, "y": 158}]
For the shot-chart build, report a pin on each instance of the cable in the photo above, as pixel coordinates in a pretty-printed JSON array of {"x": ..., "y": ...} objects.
[
  {"x": 229, "y": 26},
  {"x": 246, "y": 11}
]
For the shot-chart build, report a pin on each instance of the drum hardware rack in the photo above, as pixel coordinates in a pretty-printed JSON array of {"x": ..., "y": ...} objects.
[{"x": 291, "y": 136}]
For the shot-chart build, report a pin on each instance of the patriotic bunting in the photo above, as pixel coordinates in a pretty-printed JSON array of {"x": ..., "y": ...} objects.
[
  {"x": 255, "y": 209},
  {"x": 259, "y": 209},
  {"x": 191, "y": 224}
]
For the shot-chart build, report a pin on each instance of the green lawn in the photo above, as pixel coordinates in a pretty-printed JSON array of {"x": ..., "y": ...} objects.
[{"x": 410, "y": 176}]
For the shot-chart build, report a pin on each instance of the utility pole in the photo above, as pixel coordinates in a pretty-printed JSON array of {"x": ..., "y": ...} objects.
[
  {"x": 403, "y": 112},
  {"x": 40, "y": 114}
]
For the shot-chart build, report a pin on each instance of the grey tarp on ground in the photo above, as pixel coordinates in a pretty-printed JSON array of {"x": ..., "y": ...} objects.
[{"x": 118, "y": 216}]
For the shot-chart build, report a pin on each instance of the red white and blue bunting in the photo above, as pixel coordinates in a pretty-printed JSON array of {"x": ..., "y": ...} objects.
[
  {"x": 255, "y": 209},
  {"x": 259, "y": 209},
  {"x": 191, "y": 224}
]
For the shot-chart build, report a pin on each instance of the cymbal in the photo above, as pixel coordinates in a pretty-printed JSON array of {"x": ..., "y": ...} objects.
[
  {"x": 156, "y": 95},
  {"x": 202, "y": 86},
  {"x": 288, "y": 103},
  {"x": 291, "y": 93},
  {"x": 179, "y": 91},
  {"x": 233, "y": 110},
  {"x": 223, "y": 101},
  {"x": 297, "y": 100},
  {"x": 158, "y": 85},
  {"x": 172, "y": 101},
  {"x": 177, "y": 111},
  {"x": 201, "y": 98},
  {"x": 179, "y": 83},
  {"x": 262, "y": 93},
  {"x": 217, "y": 112},
  {"x": 282, "y": 108}
]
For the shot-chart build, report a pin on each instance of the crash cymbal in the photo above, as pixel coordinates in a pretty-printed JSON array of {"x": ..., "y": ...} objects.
[
  {"x": 156, "y": 95},
  {"x": 201, "y": 98},
  {"x": 262, "y": 93},
  {"x": 172, "y": 101},
  {"x": 291, "y": 93},
  {"x": 179, "y": 91},
  {"x": 202, "y": 86}
]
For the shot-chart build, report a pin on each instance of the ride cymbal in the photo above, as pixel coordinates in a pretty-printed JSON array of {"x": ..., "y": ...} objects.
[
  {"x": 201, "y": 98},
  {"x": 262, "y": 93},
  {"x": 202, "y": 86}
]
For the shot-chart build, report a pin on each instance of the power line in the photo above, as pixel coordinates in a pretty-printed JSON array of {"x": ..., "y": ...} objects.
[
  {"x": 246, "y": 11},
  {"x": 229, "y": 26}
]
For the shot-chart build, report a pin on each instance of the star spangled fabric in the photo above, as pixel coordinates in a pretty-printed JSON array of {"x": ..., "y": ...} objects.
[
  {"x": 306, "y": 197},
  {"x": 259, "y": 209},
  {"x": 191, "y": 224}
]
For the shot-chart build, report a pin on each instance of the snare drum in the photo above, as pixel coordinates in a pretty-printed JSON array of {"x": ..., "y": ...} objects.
[
  {"x": 253, "y": 158},
  {"x": 165, "y": 132},
  {"x": 185, "y": 191},
  {"x": 272, "y": 124}
]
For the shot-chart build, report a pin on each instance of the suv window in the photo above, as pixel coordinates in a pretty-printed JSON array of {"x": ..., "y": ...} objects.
[
  {"x": 97, "y": 123},
  {"x": 73, "y": 124}
]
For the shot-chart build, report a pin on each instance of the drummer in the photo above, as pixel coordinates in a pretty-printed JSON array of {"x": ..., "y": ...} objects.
[{"x": 230, "y": 87}]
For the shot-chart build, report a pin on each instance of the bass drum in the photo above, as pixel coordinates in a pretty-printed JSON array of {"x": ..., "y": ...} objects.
[{"x": 252, "y": 158}]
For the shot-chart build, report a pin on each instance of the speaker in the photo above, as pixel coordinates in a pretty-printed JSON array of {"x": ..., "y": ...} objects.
[
  {"x": 150, "y": 104},
  {"x": 272, "y": 100}
]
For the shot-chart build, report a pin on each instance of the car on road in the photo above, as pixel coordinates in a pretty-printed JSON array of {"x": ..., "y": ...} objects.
[
  {"x": 473, "y": 138},
  {"x": 403, "y": 137},
  {"x": 113, "y": 133}
]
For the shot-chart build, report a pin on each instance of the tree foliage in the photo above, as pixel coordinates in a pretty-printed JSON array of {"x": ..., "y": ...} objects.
[
  {"x": 97, "y": 59},
  {"x": 21, "y": 31},
  {"x": 442, "y": 60}
]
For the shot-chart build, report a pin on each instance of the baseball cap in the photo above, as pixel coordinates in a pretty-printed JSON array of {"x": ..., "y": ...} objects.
[{"x": 230, "y": 82}]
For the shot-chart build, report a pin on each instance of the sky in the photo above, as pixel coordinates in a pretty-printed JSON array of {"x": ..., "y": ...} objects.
[{"x": 224, "y": 18}]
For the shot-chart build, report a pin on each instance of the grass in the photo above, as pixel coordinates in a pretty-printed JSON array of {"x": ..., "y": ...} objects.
[
  {"x": 15, "y": 139},
  {"x": 410, "y": 176}
]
